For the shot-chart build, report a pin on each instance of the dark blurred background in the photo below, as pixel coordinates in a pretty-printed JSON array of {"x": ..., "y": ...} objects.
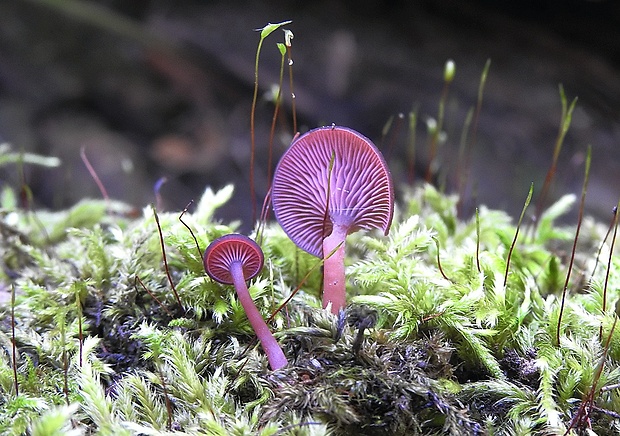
[{"x": 156, "y": 88}]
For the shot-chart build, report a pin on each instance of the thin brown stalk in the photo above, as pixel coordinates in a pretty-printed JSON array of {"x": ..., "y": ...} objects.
[
  {"x": 189, "y": 228},
  {"x": 582, "y": 416},
  {"x": 478, "y": 240},
  {"x": 514, "y": 241},
  {"x": 413, "y": 121},
  {"x": 78, "y": 304},
  {"x": 14, "y": 344},
  {"x": 252, "y": 130},
  {"x": 385, "y": 130},
  {"x": 264, "y": 33},
  {"x": 65, "y": 360},
  {"x": 464, "y": 167},
  {"x": 264, "y": 215},
  {"x": 611, "y": 255},
  {"x": 434, "y": 140},
  {"x": 276, "y": 111},
  {"x": 163, "y": 252},
  {"x": 166, "y": 399},
  {"x": 439, "y": 261},
  {"x": 394, "y": 135},
  {"x": 159, "y": 202},
  {"x": 288, "y": 37},
  {"x": 93, "y": 174},
  {"x": 572, "y": 256},
  {"x": 612, "y": 223},
  {"x": 139, "y": 280},
  {"x": 565, "y": 121}
]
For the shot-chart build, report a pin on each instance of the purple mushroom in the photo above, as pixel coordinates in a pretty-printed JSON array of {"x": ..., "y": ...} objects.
[
  {"x": 332, "y": 181},
  {"x": 232, "y": 260}
]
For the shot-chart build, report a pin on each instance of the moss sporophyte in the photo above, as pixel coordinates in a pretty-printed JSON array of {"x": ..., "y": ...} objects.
[{"x": 497, "y": 340}]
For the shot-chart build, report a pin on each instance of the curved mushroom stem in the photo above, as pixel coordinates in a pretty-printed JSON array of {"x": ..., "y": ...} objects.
[
  {"x": 334, "y": 284},
  {"x": 272, "y": 349}
]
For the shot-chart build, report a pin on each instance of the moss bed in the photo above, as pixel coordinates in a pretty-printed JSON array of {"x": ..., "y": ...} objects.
[{"x": 455, "y": 347}]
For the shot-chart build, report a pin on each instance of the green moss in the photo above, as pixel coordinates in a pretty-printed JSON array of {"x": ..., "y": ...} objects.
[{"x": 435, "y": 355}]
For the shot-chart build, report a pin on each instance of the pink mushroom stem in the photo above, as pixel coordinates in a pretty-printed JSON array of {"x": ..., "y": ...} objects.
[
  {"x": 272, "y": 349},
  {"x": 334, "y": 283}
]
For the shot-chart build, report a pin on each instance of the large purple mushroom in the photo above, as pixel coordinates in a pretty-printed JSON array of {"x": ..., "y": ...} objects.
[
  {"x": 232, "y": 260},
  {"x": 332, "y": 181}
]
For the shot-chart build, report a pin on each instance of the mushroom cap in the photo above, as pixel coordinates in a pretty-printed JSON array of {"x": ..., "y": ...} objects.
[
  {"x": 361, "y": 195},
  {"x": 223, "y": 251}
]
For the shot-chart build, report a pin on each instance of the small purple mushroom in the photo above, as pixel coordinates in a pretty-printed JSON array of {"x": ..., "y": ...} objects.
[
  {"x": 232, "y": 260},
  {"x": 318, "y": 215}
]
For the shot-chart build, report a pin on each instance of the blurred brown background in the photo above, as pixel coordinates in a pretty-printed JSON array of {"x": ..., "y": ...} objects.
[{"x": 158, "y": 88}]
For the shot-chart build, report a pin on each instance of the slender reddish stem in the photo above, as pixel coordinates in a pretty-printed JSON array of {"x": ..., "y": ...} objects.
[
  {"x": 584, "y": 189},
  {"x": 514, "y": 241},
  {"x": 139, "y": 280},
  {"x": 163, "y": 253},
  {"x": 413, "y": 119},
  {"x": 166, "y": 399},
  {"x": 14, "y": 344},
  {"x": 290, "y": 78},
  {"x": 478, "y": 239},
  {"x": 93, "y": 174},
  {"x": 443, "y": 274},
  {"x": 191, "y": 232},
  {"x": 274, "y": 353},
  {"x": 611, "y": 254},
  {"x": 78, "y": 303},
  {"x": 252, "y": 137},
  {"x": 334, "y": 284}
]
